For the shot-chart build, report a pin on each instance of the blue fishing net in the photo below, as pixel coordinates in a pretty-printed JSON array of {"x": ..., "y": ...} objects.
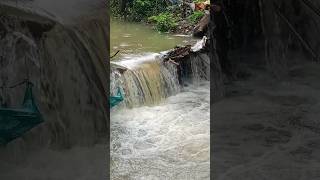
[
  {"x": 115, "y": 100},
  {"x": 14, "y": 122}
]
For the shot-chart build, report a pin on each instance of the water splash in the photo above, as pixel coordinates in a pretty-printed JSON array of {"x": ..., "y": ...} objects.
[
  {"x": 167, "y": 141},
  {"x": 146, "y": 82},
  {"x": 162, "y": 130}
]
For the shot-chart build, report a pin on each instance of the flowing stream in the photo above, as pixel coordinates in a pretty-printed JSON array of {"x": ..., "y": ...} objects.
[
  {"x": 162, "y": 129},
  {"x": 133, "y": 39}
]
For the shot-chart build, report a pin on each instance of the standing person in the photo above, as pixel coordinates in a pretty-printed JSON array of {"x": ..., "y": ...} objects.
[{"x": 221, "y": 34}]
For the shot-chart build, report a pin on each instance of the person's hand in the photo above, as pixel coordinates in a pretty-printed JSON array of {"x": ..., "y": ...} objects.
[{"x": 216, "y": 8}]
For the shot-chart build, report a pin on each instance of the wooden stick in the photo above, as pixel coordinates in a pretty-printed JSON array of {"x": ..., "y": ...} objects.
[
  {"x": 115, "y": 54},
  {"x": 173, "y": 62}
]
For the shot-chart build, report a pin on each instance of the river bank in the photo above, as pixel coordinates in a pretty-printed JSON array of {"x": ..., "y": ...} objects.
[
  {"x": 136, "y": 39},
  {"x": 178, "y": 17}
]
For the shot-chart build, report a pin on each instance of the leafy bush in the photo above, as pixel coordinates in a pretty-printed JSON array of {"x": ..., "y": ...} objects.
[
  {"x": 196, "y": 16},
  {"x": 141, "y": 8},
  {"x": 137, "y": 10},
  {"x": 164, "y": 22}
]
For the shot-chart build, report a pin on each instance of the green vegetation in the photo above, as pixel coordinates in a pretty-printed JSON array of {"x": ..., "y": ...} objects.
[
  {"x": 137, "y": 10},
  {"x": 195, "y": 16},
  {"x": 162, "y": 13},
  {"x": 164, "y": 22}
]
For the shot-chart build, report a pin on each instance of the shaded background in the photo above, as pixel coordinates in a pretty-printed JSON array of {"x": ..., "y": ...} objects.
[
  {"x": 64, "y": 45},
  {"x": 265, "y": 120}
]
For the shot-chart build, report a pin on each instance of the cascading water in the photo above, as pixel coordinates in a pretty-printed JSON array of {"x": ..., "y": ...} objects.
[
  {"x": 162, "y": 129},
  {"x": 145, "y": 83}
]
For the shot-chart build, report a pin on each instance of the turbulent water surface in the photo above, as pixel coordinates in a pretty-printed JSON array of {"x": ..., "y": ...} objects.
[
  {"x": 167, "y": 141},
  {"x": 161, "y": 130}
]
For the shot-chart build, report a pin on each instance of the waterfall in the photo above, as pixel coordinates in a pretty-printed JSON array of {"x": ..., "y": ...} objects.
[
  {"x": 147, "y": 82},
  {"x": 148, "y": 79},
  {"x": 162, "y": 129}
]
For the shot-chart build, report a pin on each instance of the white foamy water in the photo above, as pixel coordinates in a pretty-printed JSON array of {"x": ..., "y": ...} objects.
[
  {"x": 169, "y": 141},
  {"x": 132, "y": 61}
]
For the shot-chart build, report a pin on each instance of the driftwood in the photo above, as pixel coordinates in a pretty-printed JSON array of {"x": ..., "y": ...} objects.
[
  {"x": 178, "y": 53},
  {"x": 173, "y": 62}
]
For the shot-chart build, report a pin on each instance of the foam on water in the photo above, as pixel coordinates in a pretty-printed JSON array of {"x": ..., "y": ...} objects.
[
  {"x": 167, "y": 141},
  {"x": 132, "y": 61}
]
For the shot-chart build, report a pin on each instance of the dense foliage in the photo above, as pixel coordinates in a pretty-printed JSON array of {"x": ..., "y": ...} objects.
[
  {"x": 163, "y": 13},
  {"x": 137, "y": 10},
  {"x": 195, "y": 16},
  {"x": 164, "y": 22}
]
